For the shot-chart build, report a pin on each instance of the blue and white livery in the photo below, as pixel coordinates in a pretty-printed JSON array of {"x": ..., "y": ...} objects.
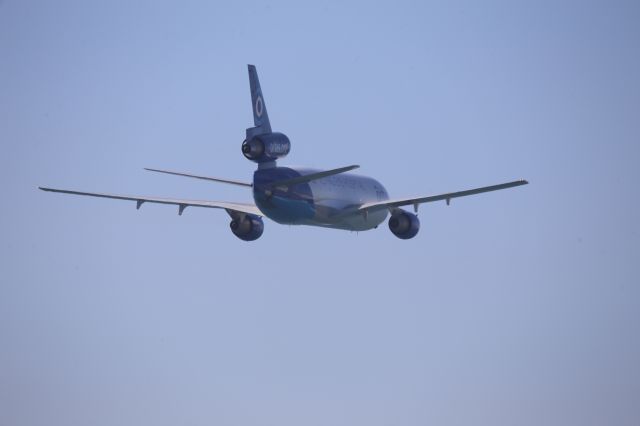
[{"x": 301, "y": 196}]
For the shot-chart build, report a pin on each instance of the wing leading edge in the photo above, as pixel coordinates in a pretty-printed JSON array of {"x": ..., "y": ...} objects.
[
  {"x": 390, "y": 204},
  {"x": 231, "y": 208}
]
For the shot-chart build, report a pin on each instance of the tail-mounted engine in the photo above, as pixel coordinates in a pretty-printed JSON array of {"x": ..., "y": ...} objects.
[
  {"x": 247, "y": 228},
  {"x": 404, "y": 225},
  {"x": 266, "y": 147},
  {"x": 261, "y": 144}
]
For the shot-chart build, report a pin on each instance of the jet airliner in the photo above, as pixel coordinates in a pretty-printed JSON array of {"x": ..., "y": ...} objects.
[{"x": 301, "y": 196}]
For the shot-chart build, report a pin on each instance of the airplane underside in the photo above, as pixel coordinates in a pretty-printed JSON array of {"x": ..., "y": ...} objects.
[
  {"x": 330, "y": 202},
  {"x": 295, "y": 212}
]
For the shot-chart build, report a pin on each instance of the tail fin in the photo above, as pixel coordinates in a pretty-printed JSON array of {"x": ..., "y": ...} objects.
[{"x": 260, "y": 116}]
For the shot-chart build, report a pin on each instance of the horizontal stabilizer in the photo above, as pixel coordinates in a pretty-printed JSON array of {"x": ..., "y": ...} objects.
[
  {"x": 214, "y": 179},
  {"x": 313, "y": 176}
]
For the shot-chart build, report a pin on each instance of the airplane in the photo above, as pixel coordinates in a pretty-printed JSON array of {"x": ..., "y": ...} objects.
[{"x": 301, "y": 196}]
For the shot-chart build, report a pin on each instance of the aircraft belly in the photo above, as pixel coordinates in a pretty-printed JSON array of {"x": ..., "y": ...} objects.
[
  {"x": 290, "y": 206},
  {"x": 330, "y": 202},
  {"x": 353, "y": 222},
  {"x": 286, "y": 210},
  {"x": 334, "y": 197}
]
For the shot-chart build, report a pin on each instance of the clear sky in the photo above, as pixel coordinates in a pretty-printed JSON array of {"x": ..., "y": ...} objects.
[{"x": 519, "y": 307}]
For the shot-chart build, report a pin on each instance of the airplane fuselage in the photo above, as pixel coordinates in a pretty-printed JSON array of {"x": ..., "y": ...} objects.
[{"x": 330, "y": 202}]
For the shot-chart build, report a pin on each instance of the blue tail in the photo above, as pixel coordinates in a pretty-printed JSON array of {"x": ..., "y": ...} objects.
[
  {"x": 261, "y": 144},
  {"x": 260, "y": 116}
]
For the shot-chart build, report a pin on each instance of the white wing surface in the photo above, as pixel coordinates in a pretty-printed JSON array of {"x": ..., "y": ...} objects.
[
  {"x": 231, "y": 208},
  {"x": 391, "y": 204}
]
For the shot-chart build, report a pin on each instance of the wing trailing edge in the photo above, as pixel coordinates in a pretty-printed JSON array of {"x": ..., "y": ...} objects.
[
  {"x": 391, "y": 204},
  {"x": 231, "y": 208}
]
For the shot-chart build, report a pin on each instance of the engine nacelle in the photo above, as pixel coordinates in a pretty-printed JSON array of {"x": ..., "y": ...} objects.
[
  {"x": 248, "y": 228},
  {"x": 404, "y": 225},
  {"x": 266, "y": 147}
]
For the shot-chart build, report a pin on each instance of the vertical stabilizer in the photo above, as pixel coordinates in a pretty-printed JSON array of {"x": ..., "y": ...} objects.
[
  {"x": 261, "y": 144},
  {"x": 260, "y": 116}
]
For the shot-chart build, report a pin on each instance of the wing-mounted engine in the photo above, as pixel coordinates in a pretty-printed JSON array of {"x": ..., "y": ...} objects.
[
  {"x": 265, "y": 147},
  {"x": 247, "y": 227},
  {"x": 404, "y": 225}
]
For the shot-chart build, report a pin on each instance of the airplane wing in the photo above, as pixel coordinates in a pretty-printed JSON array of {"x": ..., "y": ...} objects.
[
  {"x": 231, "y": 208},
  {"x": 391, "y": 204},
  {"x": 170, "y": 172}
]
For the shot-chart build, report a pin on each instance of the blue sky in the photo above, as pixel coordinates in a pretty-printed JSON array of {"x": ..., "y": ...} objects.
[{"x": 517, "y": 307}]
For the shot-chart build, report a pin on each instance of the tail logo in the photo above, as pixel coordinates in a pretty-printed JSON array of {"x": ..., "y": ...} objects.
[{"x": 259, "y": 107}]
